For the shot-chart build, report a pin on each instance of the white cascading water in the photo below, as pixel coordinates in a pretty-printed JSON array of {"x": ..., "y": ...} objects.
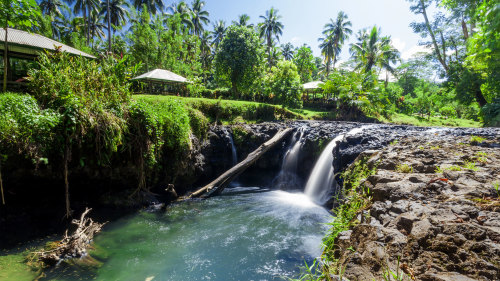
[
  {"x": 291, "y": 157},
  {"x": 322, "y": 176},
  {"x": 287, "y": 178},
  {"x": 233, "y": 150}
]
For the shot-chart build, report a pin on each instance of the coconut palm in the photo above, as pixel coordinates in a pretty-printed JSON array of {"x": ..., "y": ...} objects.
[
  {"x": 115, "y": 12},
  {"x": 340, "y": 30},
  {"x": 374, "y": 50},
  {"x": 86, "y": 7},
  {"x": 271, "y": 28},
  {"x": 206, "y": 48},
  {"x": 243, "y": 21},
  {"x": 199, "y": 17},
  {"x": 274, "y": 56},
  {"x": 51, "y": 7},
  {"x": 96, "y": 27},
  {"x": 327, "y": 50},
  {"x": 153, "y": 6},
  {"x": 184, "y": 12},
  {"x": 219, "y": 32},
  {"x": 287, "y": 51}
]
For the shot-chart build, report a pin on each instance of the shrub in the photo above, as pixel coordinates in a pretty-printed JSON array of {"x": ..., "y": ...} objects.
[{"x": 284, "y": 83}]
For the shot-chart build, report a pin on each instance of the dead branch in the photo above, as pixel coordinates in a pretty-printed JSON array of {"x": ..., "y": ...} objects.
[
  {"x": 216, "y": 186},
  {"x": 74, "y": 246}
]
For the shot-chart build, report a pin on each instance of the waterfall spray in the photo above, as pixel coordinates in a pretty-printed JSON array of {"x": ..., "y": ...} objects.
[{"x": 321, "y": 179}]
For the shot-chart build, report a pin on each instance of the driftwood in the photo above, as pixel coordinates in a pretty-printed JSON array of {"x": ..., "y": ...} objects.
[
  {"x": 74, "y": 246},
  {"x": 218, "y": 185}
]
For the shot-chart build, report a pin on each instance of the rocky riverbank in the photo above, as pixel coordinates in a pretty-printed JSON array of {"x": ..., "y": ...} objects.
[{"x": 434, "y": 213}]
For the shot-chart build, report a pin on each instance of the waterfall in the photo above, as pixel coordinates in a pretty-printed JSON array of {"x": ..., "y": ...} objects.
[
  {"x": 321, "y": 179},
  {"x": 233, "y": 150},
  {"x": 287, "y": 178}
]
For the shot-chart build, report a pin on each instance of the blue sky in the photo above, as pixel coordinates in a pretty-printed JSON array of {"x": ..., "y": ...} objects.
[{"x": 304, "y": 20}]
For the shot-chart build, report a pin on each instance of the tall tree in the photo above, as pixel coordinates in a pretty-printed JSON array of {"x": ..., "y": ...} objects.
[
  {"x": 243, "y": 21},
  {"x": 184, "y": 12},
  {"x": 153, "y": 6},
  {"x": 271, "y": 28},
  {"x": 304, "y": 60},
  {"x": 340, "y": 31},
  {"x": 51, "y": 7},
  {"x": 199, "y": 16},
  {"x": 86, "y": 7},
  {"x": 336, "y": 32},
  {"x": 374, "y": 50},
  {"x": 420, "y": 7},
  {"x": 116, "y": 13},
  {"x": 287, "y": 51},
  {"x": 239, "y": 59},
  {"x": 219, "y": 32},
  {"x": 21, "y": 13}
]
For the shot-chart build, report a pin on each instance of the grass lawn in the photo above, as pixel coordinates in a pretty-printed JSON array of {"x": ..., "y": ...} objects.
[
  {"x": 229, "y": 111},
  {"x": 398, "y": 118}
]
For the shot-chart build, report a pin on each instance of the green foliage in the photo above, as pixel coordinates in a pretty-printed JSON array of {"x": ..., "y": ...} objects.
[
  {"x": 304, "y": 60},
  {"x": 199, "y": 123},
  {"x": 239, "y": 60},
  {"x": 161, "y": 43},
  {"x": 471, "y": 166},
  {"x": 284, "y": 84},
  {"x": 404, "y": 168},
  {"x": 90, "y": 96},
  {"x": 227, "y": 110},
  {"x": 25, "y": 127},
  {"x": 19, "y": 13},
  {"x": 491, "y": 113},
  {"x": 476, "y": 139},
  {"x": 356, "y": 200}
]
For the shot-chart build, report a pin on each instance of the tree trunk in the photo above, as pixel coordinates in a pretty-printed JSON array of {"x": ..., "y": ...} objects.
[
  {"x": 109, "y": 29},
  {"x": 480, "y": 97},
  {"x": 218, "y": 185},
  {"x": 1, "y": 183},
  {"x": 465, "y": 31},
  {"x": 5, "y": 60},
  {"x": 88, "y": 25},
  {"x": 431, "y": 33}
]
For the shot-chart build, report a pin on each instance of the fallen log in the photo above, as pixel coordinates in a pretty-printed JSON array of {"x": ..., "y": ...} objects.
[
  {"x": 73, "y": 246},
  {"x": 218, "y": 185}
]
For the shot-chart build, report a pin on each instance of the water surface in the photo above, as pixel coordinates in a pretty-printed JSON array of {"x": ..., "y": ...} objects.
[{"x": 245, "y": 234}]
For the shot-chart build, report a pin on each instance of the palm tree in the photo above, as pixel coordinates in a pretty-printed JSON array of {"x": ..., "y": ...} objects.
[
  {"x": 86, "y": 7},
  {"x": 206, "y": 48},
  {"x": 327, "y": 50},
  {"x": 243, "y": 21},
  {"x": 96, "y": 27},
  {"x": 287, "y": 51},
  {"x": 153, "y": 6},
  {"x": 271, "y": 28},
  {"x": 274, "y": 56},
  {"x": 199, "y": 17},
  {"x": 185, "y": 13},
  {"x": 219, "y": 32},
  {"x": 115, "y": 12},
  {"x": 340, "y": 30},
  {"x": 373, "y": 50},
  {"x": 51, "y": 7}
]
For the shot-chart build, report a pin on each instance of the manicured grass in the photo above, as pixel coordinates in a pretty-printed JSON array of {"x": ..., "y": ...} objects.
[
  {"x": 228, "y": 111},
  {"x": 310, "y": 113},
  {"x": 398, "y": 118}
]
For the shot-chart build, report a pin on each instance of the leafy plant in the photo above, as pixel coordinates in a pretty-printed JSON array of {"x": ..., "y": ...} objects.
[
  {"x": 476, "y": 139},
  {"x": 470, "y": 165},
  {"x": 404, "y": 168}
]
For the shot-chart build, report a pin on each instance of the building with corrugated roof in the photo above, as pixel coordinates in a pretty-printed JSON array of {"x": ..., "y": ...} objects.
[
  {"x": 161, "y": 81},
  {"x": 23, "y": 48}
]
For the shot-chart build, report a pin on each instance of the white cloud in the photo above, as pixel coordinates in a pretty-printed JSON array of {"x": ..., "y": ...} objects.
[
  {"x": 398, "y": 44},
  {"x": 411, "y": 52},
  {"x": 296, "y": 41}
]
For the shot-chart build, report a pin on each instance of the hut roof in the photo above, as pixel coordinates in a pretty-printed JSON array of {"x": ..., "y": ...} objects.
[
  {"x": 161, "y": 75},
  {"x": 312, "y": 85},
  {"x": 26, "y": 43}
]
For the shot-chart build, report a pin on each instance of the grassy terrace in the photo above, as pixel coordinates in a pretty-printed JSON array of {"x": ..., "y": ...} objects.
[
  {"x": 229, "y": 111},
  {"x": 398, "y": 118}
]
